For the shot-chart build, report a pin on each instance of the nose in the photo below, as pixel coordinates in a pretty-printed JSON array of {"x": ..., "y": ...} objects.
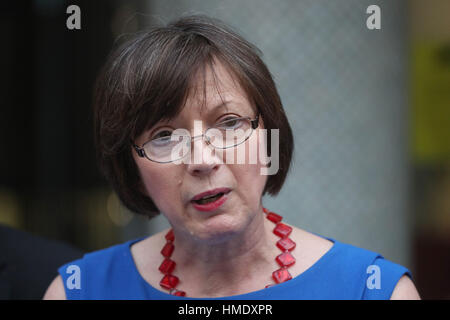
[{"x": 204, "y": 158}]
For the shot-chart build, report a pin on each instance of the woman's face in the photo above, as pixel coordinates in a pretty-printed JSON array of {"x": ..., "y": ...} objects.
[{"x": 173, "y": 186}]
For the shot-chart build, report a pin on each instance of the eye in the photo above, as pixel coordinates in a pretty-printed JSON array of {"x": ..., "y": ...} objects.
[
  {"x": 161, "y": 139},
  {"x": 162, "y": 134},
  {"x": 230, "y": 123}
]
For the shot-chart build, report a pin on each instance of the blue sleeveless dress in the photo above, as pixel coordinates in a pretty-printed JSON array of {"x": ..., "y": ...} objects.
[{"x": 344, "y": 272}]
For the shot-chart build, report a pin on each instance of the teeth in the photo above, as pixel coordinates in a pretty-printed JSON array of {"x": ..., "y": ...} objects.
[{"x": 209, "y": 198}]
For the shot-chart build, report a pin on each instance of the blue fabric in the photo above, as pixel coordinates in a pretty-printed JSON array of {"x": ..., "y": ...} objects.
[{"x": 345, "y": 272}]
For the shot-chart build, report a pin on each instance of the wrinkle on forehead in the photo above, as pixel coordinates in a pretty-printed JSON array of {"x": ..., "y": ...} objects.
[{"x": 213, "y": 83}]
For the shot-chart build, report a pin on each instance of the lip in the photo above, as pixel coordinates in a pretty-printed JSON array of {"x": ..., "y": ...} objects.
[
  {"x": 212, "y": 205},
  {"x": 211, "y": 192},
  {"x": 207, "y": 207}
]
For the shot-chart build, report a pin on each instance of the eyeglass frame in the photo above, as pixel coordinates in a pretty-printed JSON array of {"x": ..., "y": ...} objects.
[{"x": 141, "y": 151}]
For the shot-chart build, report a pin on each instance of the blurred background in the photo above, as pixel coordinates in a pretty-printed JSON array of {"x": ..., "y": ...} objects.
[{"x": 370, "y": 110}]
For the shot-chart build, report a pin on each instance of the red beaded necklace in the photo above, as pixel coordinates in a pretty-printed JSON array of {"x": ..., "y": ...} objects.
[{"x": 285, "y": 259}]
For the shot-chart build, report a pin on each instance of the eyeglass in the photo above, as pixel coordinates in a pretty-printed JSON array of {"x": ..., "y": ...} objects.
[{"x": 225, "y": 134}]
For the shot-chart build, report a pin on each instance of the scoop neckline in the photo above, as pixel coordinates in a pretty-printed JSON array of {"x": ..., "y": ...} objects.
[{"x": 166, "y": 296}]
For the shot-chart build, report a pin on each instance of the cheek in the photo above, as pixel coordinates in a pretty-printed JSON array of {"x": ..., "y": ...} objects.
[
  {"x": 162, "y": 185},
  {"x": 252, "y": 152},
  {"x": 251, "y": 180},
  {"x": 248, "y": 174}
]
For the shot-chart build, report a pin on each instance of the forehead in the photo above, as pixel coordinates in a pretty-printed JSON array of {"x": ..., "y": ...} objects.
[{"x": 215, "y": 85}]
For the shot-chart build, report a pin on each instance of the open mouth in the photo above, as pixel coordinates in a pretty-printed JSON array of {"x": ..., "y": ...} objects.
[{"x": 209, "y": 199}]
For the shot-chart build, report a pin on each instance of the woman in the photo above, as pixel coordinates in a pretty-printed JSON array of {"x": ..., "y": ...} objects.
[{"x": 174, "y": 109}]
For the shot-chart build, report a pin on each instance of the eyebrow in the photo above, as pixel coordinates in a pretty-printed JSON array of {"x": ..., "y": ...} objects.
[
  {"x": 220, "y": 105},
  {"x": 167, "y": 122}
]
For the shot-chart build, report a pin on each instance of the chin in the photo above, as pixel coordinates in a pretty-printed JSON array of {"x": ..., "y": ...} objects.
[{"x": 220, "y": 228}]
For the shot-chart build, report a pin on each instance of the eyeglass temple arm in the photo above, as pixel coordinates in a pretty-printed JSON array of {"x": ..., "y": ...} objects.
[
  {"x": 139, "y": 150},
  {"x": 254, "y": 122}
]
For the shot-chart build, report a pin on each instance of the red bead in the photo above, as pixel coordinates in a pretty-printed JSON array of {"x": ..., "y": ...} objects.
[
  {"x": 275, "y": 218},
  {"x": 282, "y": 230},
  {"x": 286, "y": 244},
  {"x": 170, "y": 236},
  {"x": 169, "y": 281},
  {"x": 167, "y": 266},
  {"x": 285, "y": 259},
  {"x": 265, "y": 210},
  {"x": 281, "y": 275},
  {"x": 167, "y": 250},
  {"x": 178, "y": 293}
]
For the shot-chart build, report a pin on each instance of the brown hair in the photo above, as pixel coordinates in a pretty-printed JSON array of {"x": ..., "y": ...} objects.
[{"x": 147, "y": 78}]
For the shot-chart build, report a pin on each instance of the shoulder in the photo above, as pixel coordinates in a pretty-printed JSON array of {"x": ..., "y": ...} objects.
[
  {"x": 90, "y": 277},
  {"x": 346, "y": 271},
  {"x": 338, "y": 257},
  {"x": 310, "y": 248},
  {"x": 146, "y": 254},
  {"x": 405, "y": 290},
  {"x": 384, "y": 279},
  {"x": 56, "y": 290}
]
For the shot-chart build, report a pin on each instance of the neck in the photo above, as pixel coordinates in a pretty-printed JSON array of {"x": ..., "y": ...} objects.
[{"x": 230, "y": 264}]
